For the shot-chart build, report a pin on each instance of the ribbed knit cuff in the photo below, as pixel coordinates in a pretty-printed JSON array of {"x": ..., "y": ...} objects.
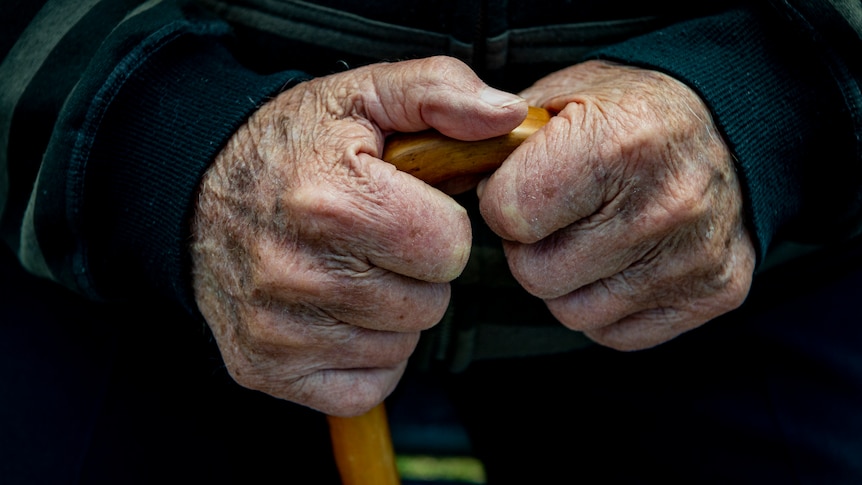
[
  {"x": 159, "y": 135},
  {"x": 772, "y": 101}
]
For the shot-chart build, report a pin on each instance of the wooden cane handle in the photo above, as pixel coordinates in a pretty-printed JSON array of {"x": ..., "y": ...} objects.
[
  {"x": 436, "y": 158},
  {"x": 362, "y": 445}
]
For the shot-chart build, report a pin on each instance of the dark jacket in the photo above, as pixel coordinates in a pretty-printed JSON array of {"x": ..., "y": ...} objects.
[{"x": 112, "y": 110}]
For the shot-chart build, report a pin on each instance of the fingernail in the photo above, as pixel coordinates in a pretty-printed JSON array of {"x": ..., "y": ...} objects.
[{"x": 500, "y": 99}]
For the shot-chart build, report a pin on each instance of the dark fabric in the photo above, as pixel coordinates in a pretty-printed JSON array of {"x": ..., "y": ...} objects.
[
  {"x": 156, "y": 115},
  {"x": 96, "y": 394},
  {"x": 767, "y": 394}
]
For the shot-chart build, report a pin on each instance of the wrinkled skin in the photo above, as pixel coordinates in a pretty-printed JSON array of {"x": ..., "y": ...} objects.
[
  {"x": 316, "y": 264},
  {"x": 624, "y": 213}
]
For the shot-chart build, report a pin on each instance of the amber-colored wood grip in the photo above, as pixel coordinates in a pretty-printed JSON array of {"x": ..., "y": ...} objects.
[
  {"x": 362, "y": 445},
  {"x": 436, "y": 158},
  {"x": 363, "y": 448}
]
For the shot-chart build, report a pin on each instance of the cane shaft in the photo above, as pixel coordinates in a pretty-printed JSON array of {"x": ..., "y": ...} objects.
[{"x": 363, "y": 448}]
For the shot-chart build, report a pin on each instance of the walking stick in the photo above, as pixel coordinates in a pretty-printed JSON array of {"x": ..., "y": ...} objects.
[
  {"x": 363, "y": 448},
  {"x": 362, "y": 445}
]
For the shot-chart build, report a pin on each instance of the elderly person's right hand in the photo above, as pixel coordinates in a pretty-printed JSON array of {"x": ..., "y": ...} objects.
[{"x": 316, "y": 264}]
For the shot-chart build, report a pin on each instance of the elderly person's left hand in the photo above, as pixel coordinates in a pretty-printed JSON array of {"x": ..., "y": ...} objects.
[{"x": 624, "y": 213}]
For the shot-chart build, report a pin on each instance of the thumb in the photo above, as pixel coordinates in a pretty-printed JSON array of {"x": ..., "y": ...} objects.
[{"x": 445, "y": 94}]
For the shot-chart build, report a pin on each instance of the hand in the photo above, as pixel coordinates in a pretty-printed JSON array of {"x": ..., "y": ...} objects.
[
  {"x": 315, "y": 263},
  {"x": 624, "y": 213}
]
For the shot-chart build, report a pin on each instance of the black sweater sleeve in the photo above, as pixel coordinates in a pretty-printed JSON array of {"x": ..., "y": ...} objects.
[
  {"x": 781, "y": 109},
  {"x": 128, "y": 108}
]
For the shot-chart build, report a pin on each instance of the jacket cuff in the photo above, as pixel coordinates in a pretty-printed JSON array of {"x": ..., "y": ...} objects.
[
  {"x": 158, "y": 136},
  {"x": 774, "y": 105}
]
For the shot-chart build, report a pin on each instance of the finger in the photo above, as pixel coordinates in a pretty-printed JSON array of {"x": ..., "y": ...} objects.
[
  {"x": 282, "y": 345},
  {"x": 441, "y": 93},
  {"x": 386, "y": 218},
  {"x": 643, "y": 330},
  {"x": 561, "y": 174},
  {"x": 305, "y": 350},
  {"x": 672, "y": 283},
  {"x": 598, "y": 304},
  {"x": 652, "y": 303},
  {"x": 581, "y": 254},
  {"x": 612, "y": 314},
  {"x": 340, "y": 290},
  {"x": 674, "y": 307}
]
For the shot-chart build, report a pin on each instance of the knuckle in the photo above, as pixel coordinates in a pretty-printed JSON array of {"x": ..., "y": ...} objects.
[
  {"x": 577, "y": 321},
  {"x": 534, "y": 283},
  {"x": 682, "y": 207},
  {"x": 440, "y": 67},
  {"x": 546, "y": 269},
  {"x": 529, "y": 272},
  {"x": 418, "y": 315}
]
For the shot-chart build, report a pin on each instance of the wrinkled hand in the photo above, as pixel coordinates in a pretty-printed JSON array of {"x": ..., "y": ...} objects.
[
  {"x": 315, "y": 263},
  {"x": 624, "y": 213}
]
